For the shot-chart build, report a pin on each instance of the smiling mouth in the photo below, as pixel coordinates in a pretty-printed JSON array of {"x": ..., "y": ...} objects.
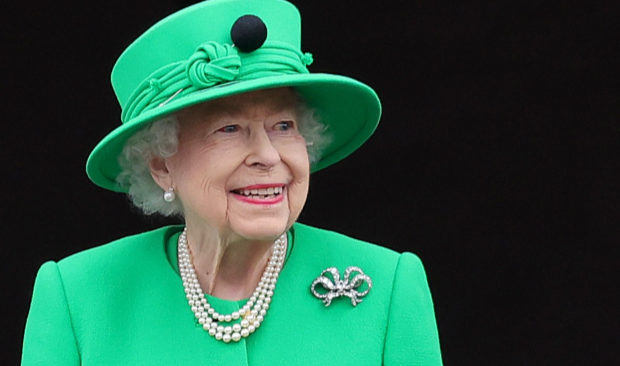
[{"x": 260, "y": 193}]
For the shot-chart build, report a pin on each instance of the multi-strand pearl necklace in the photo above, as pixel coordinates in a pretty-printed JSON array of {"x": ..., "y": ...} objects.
[{"x": 251, "y": 314}]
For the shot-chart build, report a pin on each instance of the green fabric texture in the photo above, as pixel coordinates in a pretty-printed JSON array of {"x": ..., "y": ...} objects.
[
  {"x": 189, "y": 58},
  {"x": 123, "y": 304}
]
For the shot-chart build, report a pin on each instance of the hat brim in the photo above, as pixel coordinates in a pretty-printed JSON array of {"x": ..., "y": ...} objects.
[{"x": 349, "y": 108}]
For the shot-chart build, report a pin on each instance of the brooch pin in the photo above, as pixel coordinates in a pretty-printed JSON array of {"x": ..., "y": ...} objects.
[{"x": 344, "y": 287}]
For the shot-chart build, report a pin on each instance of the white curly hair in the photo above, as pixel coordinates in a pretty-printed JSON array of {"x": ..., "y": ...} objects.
[{"x": 160, "y": 139}]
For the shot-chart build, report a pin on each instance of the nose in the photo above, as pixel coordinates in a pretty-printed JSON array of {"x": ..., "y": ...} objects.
[{"x": 261, "y": 151}]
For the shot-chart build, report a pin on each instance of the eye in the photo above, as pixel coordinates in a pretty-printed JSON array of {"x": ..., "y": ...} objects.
[
  {"x": 284, "y": 126},
  {"x": 229, "y": 129}
]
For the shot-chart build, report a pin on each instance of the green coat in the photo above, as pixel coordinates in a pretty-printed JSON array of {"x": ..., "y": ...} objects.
[{"x": 124, "y": 304}]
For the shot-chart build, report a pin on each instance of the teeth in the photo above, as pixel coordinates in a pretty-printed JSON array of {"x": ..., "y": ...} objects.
[{"x": 256, "y": 193}]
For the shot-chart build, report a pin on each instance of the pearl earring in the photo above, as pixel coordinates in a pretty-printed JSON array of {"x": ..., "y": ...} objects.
[{"x": 169, "y": 195}]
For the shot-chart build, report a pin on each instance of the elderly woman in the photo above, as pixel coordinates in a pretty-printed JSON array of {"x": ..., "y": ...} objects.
[{"x": 222, "y": 125}]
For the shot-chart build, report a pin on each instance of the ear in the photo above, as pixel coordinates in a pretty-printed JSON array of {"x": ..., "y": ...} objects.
[{"x": 160, "y": 173}]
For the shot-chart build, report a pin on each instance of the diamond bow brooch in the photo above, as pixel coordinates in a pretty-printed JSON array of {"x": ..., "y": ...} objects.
[{"x": 345, "y": 287}]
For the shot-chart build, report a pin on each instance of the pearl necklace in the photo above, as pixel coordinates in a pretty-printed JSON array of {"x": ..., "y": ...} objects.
[{"x": 251, "y": 314}]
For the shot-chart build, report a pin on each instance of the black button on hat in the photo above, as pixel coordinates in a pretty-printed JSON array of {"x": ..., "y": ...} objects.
[{"x": 248, "y": 33}]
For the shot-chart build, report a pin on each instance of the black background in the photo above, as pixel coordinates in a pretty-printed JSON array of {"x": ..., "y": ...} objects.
[{"x": 497, "y": 159}]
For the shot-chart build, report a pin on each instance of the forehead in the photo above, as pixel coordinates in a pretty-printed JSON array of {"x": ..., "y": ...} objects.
[{"x": 246, "y": 104}]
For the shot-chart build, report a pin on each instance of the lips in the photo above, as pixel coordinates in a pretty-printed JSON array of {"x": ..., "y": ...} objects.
[{"x": 263, "y": 193}]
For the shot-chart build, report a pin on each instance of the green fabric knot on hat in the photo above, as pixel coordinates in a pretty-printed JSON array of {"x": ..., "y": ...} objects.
[
  {"x": 155, "y": 84},
  {"x": 212, "y": 64},
  {"x": 307, "y": 59}
]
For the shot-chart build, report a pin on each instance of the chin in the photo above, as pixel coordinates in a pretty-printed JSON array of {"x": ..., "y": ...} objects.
[{"x": 261, "y": 229}]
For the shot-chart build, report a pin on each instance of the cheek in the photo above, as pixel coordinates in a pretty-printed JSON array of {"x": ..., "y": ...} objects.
[
  {"x": 197, "y": 160},
  {"x": 295, "y": 154},
  {"x": 201, "y": 174},
  {"x": 300, "y": 168},
  {"x": 298, "y": 192}
]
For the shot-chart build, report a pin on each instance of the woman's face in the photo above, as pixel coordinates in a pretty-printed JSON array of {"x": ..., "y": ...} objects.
[{"x": 242, "y": 166}]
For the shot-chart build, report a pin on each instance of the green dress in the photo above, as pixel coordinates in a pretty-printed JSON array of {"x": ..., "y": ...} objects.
[{"x": 124, "y": 304}]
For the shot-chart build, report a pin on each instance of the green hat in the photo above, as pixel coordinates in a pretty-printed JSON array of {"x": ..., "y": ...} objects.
[{"x": 219, "y": 48}]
